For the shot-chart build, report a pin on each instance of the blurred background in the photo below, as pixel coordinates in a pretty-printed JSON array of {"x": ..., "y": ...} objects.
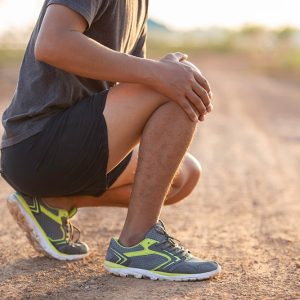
[
  {"x": 245, "y": 213},
  {"x": 267, "y": 32}
]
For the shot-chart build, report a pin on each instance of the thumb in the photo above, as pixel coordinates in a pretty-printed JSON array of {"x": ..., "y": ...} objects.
[
  {"x": 178, "y": 56},
  {"x": 181, "y": 56}
]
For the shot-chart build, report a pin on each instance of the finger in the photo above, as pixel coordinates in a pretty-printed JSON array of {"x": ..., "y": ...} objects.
[
  {"x": 202, "y": 81},
  {"x": 210, "y": 108},
  {"x": 180, "y": 56},
  {"x": 202, "y": 93},
  {"x": 197, "y": 102},
  {"x": 184, "y": 58},
  {"x": 187, "y": 107},
  {"x": 188, "y": 63},
  {"x": 201, "y": 118}
]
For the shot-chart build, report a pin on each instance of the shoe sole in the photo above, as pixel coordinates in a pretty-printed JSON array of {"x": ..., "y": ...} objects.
[
  {"x": 140, "y": 273},
  {"x": 34, "y": 234}
]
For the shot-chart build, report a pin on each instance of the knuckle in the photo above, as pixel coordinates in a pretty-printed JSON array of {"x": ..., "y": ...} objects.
[
  {"x": 180, "y": 102},
  {"x": 187, "y": 90},
  {"x": 205, "y": 97},
  {"x": 190, "y": 80},
  {"x": 188, "y": 69},
  {"x": 181, "y": 97}
]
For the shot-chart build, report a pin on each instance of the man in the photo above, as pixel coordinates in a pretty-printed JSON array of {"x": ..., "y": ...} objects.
[{"x": 73, "y": 138}]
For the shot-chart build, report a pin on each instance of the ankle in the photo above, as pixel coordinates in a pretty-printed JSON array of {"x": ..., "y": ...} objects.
[
  {"x": 132, "y": 235},
  {"x": 129, "y": 241}
]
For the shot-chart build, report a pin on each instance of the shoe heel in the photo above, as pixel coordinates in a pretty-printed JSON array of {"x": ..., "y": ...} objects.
[{"x": 18, "y": 216}]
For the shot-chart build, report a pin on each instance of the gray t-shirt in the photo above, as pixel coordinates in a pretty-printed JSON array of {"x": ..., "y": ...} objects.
[{"x": 43, "y": 90}]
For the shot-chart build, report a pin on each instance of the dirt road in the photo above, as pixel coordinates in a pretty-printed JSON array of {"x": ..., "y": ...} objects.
[{"x": 245, "y": 213}]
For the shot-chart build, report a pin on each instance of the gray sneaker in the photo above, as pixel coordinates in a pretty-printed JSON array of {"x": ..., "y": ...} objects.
[
  {"x": 48, "y": 229},
  {"x": 157, "y": 257}
]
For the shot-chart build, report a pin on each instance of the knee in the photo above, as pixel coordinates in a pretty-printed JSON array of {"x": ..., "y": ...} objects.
[
  {"x": 171, "y": 110},
  {"x": 175, "y": 114},
  {"x": 187, "y": 180},
  {"x": 194, "y": 171}
]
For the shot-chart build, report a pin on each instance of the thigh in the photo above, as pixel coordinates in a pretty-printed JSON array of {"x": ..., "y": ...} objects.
[
  {"x": 127, "y": 176},
  {"x": 127, "y": 109}
]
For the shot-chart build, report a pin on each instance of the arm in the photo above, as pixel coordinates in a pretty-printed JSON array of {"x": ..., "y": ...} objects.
[{"x": 61, "y": 43}]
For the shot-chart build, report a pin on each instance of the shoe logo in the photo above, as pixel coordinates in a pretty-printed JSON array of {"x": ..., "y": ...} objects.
[
  {"x": 121, "y": 258},
  {"x": 146, "y": 244},
  {"x": 35, "y": 207}
]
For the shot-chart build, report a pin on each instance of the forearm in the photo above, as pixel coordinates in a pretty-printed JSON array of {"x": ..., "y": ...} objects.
[
  {"x": 75, "y": 53},
  {"x": 62, "y": 43}
]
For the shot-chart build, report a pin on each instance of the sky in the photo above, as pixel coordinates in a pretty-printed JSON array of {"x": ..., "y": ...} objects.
[{"x": 178, "y": 14}]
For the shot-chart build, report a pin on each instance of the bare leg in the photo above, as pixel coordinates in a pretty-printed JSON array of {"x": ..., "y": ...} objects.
[
  {"x": 167, "y": 129},
  {"x": 119, "y": 194},
  {"x": 164, "y": 132}
]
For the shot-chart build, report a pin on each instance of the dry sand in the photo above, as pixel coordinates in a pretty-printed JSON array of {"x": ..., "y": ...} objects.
[{"x": 245, "y": 212}]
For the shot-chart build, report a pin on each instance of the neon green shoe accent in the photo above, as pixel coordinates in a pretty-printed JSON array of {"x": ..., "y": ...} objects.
[
  {"x": 61, "y": 213},
  {"x": 72, "y": 212},
  {"x": 117, "y": 266},
  {"x": 146, "y": 243},
  {"x": 34, "y": 207},
  {"x": 168, "y": 274},
  {"x": 158, "y": 256},
  {"x": 121, "y": 258},
  {"x": 25, "y": 206},
  {"x": 113, "y": 265},
  {"x": 37, "y": 208},
  {"x": 57, "y": 219}
]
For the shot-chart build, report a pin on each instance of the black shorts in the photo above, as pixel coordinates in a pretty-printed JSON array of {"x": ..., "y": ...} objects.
[{"x": 68, "y": 157}]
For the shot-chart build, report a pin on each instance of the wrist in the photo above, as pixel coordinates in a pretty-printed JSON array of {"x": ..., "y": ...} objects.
[{"x": 148, "y": 71}]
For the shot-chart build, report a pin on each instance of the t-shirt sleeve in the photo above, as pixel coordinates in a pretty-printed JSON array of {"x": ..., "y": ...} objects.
[
  {"x": 140, "y": 47},
  {"x": 87, "y": 8}
]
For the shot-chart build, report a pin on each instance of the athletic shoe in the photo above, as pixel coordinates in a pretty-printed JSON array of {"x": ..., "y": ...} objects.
[
  {"x": 157, "y": 257},
  {"x": 48, "y": 229}
]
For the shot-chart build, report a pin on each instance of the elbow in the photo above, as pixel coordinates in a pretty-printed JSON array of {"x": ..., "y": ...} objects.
[
  {"x": 38, "y": 54},
  {"x": 41, "y": 51},
  {"x": 46, "y": 50}
]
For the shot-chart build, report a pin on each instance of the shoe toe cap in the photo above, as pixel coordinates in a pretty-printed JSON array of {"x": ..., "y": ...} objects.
[{"x": 196, "y": 267}]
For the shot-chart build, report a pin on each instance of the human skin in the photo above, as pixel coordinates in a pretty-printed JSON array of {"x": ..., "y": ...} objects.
[
  {"x": 61, "y": 33},
  {"x": 166, "y": 109}
]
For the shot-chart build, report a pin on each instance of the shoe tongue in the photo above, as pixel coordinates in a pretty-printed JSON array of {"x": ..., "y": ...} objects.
[{"x": 157, "y": 232}]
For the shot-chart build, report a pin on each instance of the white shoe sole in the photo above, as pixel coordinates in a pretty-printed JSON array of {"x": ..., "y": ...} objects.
[
  {"x": 33, "y": 233},
  {"x": 140, "y": 273}
]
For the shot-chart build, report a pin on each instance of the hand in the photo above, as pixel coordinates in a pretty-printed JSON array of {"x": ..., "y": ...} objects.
[
  {"x": 209, "y": 108},
  {"x": 182, "y": 82}
]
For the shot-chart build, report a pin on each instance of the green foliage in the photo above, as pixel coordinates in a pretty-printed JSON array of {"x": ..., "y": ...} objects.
[
  {"x": 285, "y": 32},
  {"x": 274, "y": 51},
  {"x": 252, "y": 29}
]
